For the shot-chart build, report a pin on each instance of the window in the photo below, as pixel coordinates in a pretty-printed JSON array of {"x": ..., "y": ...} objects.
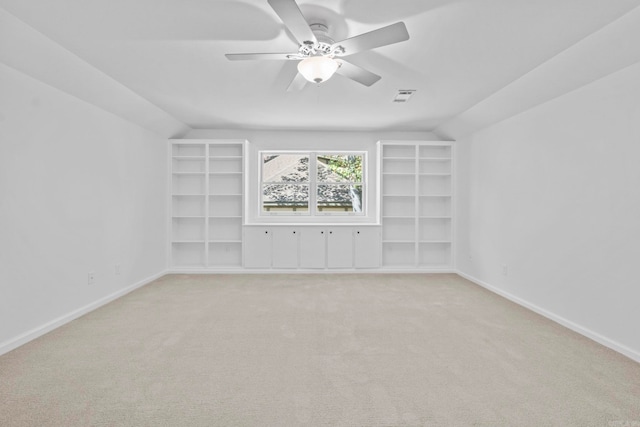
[{"x": 304, "y": 183}]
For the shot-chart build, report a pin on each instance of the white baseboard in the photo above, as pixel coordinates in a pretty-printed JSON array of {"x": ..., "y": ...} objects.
[
  {"x": 16, "y": 342},
  {"x": 378, "y": 270},
  {"x": 616, "y": 346}
]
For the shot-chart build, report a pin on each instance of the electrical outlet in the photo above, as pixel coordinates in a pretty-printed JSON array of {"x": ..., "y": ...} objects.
[
  {"x": 92, "y": 278},
  {"x": 505, "y": 270}
]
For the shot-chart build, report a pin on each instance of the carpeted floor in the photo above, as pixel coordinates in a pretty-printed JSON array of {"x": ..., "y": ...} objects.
[{"x": 325, "y": 349}]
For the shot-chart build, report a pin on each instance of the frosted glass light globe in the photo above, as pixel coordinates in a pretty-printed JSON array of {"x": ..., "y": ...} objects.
[{"x": 317, "y": 69}]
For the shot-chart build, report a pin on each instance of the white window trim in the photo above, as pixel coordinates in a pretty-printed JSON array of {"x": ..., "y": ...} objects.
[{"x": 313, "y": 184}]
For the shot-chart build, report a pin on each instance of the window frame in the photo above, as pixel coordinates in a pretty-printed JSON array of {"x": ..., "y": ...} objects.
[{"x": 313, "y": 184}]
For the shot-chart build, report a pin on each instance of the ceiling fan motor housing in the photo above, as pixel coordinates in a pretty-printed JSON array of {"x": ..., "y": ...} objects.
[{"x": 323, "y": 47}]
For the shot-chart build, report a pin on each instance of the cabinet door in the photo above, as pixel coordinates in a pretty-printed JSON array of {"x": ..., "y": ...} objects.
[
  {"x": 367, "y": 243},
  {"x": 313, "y": 252},
  {"x": 257, "y": 247},
  {"x": 285, "y": 247},
  {"x": 340, "y": 247}
]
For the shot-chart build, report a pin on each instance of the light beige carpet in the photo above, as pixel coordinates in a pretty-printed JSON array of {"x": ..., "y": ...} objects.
[{"x": 293, "y": 350}]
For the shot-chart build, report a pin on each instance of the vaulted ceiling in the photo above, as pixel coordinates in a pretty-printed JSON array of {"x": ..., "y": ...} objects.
[{"x": 460, "y": 53}]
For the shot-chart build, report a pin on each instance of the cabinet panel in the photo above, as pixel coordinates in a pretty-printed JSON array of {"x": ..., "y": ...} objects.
[
  {"x": 340, "y": 247},
  {"x": 313, "y": 252},
  {"x": 257, "y": 247},
  {"x": 366, "y": 243},
  {"x": 285, "y": 247}
]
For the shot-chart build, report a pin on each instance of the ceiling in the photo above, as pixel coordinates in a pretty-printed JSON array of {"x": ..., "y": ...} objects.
[{"x": 171, "y": 52}]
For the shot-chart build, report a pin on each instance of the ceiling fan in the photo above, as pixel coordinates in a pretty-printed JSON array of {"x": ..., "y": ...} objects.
[{"x": 320, "y": 57}]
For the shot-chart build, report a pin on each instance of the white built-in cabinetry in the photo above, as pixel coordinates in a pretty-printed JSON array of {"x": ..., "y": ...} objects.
[
  {"x": 206, "y": 204},
  {"x": 311, "y": 247},
  {"x": 208, "y": 232},
  {"x": 416, "y": 205}
]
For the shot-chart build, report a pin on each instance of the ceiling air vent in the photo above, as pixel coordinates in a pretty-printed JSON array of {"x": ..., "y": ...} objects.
[{"x": 404, "y": 95}]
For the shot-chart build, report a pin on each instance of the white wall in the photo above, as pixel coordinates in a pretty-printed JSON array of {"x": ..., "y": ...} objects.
[
  {"x": 554, "y": 194},
  {"x": 311, "y": 141},
  {"x": 80, "y": 190}
]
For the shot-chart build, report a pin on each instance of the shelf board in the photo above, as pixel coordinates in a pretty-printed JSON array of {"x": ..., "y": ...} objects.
[
  {"x": 398, "y": 173},
  {"x": 225, "y": 217},
  {"x": 434, "y": 217},
  {"x": 214, "y": 241},
  {"x": 188, "y": 195},
  {"x": 446, "y": 196},
  {"x": 435, "y": 241},
  {"x": 223, "y": 157},
  {"x": 188, "y": 216},
  {"x": 398, "y": 241},
  {"x": 188, "y": 157},
  {"x": 443, "y": 159},
  {"x": 397, "y": 217},
  {"x": 225, "y": 266},
  {"x": 187, "y": 241},
  {"x": 434, "y": 174},
  {"x": 189, "y": 173},
  {"x": 399, "y": 158},
  {"x": 399, "y": 195},
  {"x": 226, "y": 195},
  {"x": 226, "y": 173}
]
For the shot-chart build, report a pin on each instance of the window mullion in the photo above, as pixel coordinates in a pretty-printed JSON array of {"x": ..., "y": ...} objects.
[{"x": 313, "y": 192}]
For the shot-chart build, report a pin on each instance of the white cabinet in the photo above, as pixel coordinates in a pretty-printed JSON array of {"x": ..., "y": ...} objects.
[
  {"x": 257, "y": 247},
  {"x": 417, "y": 215},
  {"x": 312, "y": 241},
  {"x": 340, "y": 247},
  {"x": 206, "y": 203},
  {"x": 366, "y": 247},
  {"x": 285, "y": 247},
  {"x": 311, "y": 247}
]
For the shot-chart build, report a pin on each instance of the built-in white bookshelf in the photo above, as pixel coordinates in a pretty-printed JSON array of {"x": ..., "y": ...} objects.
[
  {"x": 206, "y": 204},
  {"x": 416, "y": 204}
]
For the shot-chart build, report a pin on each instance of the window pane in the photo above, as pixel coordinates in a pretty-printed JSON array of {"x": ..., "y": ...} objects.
[
  {"x": 285, "y": 168},
  {"x": 285, "y": 198},
  {"x": 339, "y": 168},
  {"x": 340, "y": 198}
]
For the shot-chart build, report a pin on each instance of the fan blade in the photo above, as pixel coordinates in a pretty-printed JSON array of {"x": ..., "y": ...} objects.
[
  {"x": 356, "y": 73},
  {"x": 294, "y": 20},
  {"x": 298, "y": 83},
  {"x": 391, "y": 34},
  {"x": 251, "y": 56}
]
